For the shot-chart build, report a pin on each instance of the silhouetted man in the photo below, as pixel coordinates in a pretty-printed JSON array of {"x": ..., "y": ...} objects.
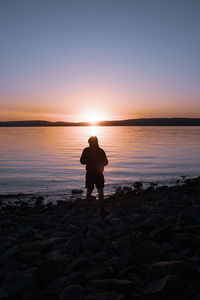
[{"x": 95, "y": 160}]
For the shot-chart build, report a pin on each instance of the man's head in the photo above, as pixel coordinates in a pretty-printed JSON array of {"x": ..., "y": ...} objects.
[{"x": 93, "y": 141}]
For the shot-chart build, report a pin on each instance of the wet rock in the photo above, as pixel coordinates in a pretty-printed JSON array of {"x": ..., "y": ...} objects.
[
  {"x": 114, "y": 285},
  {"x": 99, "y": 273},
  {"x": 45, "y": 295},
  {"x": 76, "y": 191},
  {"x": 78, "y": 264},
  {"x": 171, "y": 287},
  {"x": 11, "y": 252},
  {"x": 133, "y": 218},
  {"x": 20, "y": 282},
  {"x": 77, "y": 243},
  {"x": 48, "y": 271},
  {"x": 37, "y": 246},
  {"x": 153, "y": 184},
  {"x": 73, "y": 292},
  {"x": 163, "y": 234},
  {"x": 118, "y": 225},
  {"x": 126, "y": 258},
  {"x": 30, "y": 257},
  {"x": 78, "y": 277},
  {"x": 167, "y": 247},
  {"x": 56, "y": 243},
  {"x": 164, "y": 268},
  {"x": 147, "y": 251},
  {"x": 138, "y": 185},
  {"x": 105, "y": 296},
  {"x": 100, "y": 256},
  {"x": 3, "y": 295},
  {"x": 94, "y": 234},
  {"x": 123, "y": 243},
  {"x": 182, "y": 240},
  {"x": 39, "y": 200},
  {"x": 196, "y": 243},
  {"x": 138, "y": 237},
  {"x": 127, "y": 188},
  {"x": 150, "y": 189},
  {"x": 186, "y": 219},
  {"x": 153, "y": 222}
]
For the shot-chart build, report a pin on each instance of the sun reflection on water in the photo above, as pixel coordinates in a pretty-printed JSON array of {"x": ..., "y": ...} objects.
[{"x": 93, "y": 130}]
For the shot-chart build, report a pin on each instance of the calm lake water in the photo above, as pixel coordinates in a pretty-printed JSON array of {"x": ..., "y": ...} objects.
[{"x": 46, "y": 159}]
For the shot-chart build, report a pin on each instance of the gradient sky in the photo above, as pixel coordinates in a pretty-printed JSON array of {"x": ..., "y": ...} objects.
[{"x": 65, "y": 59}]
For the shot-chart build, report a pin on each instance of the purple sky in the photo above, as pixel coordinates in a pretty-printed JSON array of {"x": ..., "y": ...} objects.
[{"x": 67, "y": 60}]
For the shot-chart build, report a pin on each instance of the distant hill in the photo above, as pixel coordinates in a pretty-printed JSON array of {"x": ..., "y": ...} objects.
[{"x": 130, "y": 122}]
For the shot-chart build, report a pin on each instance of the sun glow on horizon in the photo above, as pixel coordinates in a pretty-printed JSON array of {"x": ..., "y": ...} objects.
[{"x": 93, "y": 117}]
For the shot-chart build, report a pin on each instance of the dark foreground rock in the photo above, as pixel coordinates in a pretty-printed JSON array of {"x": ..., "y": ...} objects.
[{"x": 147, "y": 247}]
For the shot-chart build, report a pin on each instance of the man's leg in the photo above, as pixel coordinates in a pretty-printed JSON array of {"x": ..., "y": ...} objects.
[
  {"x": 88, "y": 198},
  {"x": 101, "y": 198}
]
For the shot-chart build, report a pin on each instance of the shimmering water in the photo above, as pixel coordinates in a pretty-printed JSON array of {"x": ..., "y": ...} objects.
[{"x": 46, "y": 159}]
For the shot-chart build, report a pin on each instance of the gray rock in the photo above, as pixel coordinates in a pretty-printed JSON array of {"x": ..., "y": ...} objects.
[
  {"x": 78, "y": 264},
  {"x": 37, "y": 246},
  {"x": 78, "y": 277},
  {"x": 45, "y": 295},
  {"x": 186, "y": 218},
  {"x": 146, "y": 252},
  {"x": 167, "y": 247},
  {"x": 3, "y": 295},
  {"x": 20, "y": 282},
  {"x": 126, "y": 258},
  {"x": 94, "y": 233},
  {"x": 11, "y": 252},
  {"x": 133, "y": 218},
  {"x": 99, "y": 273},
  {"x": 182, "y": 240},
  {"x": 31, "y": 258},
  {"x": 58, "y": 256},
  {"x": 153, "y": 222},
  {"x": 112, "y": 285},
  {"x": 76, "y": 191},
  {"x": 73, "y": 292},
  {"x": 137, "y": 237},
  {"x": 138, "y": 185},
  {"x": 118, "y": 225},
  {"x": 101, "y": 255},
  {"x": 123, "y": 243},
  {"x": 163, "y": 234},
  {"x": 171, "y": 287},
  {"x": 77, "y": 243},
  {"x": 48, "y": 271},
  {"x": 164, "y": 268},
  {"x": 196, "y": 243},
  {"x": 105, "y": 296}
]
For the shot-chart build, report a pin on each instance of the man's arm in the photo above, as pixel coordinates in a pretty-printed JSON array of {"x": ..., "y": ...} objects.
[
  {"x": 105, "y": 160},
  {"x": 83, "y": 159}
]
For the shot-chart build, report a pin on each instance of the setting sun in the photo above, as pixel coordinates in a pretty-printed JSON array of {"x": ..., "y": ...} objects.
[{"x": 93, "y": 117}]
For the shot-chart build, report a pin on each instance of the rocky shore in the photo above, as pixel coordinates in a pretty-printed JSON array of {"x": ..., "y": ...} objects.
[{"x": 147, "y": 247}]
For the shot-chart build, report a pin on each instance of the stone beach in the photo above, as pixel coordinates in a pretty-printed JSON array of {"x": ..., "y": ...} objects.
[{"x": 146, "y": 247}]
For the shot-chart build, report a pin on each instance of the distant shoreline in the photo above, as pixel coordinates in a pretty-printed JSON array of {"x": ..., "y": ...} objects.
[{"x": 129, "y": 122}]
